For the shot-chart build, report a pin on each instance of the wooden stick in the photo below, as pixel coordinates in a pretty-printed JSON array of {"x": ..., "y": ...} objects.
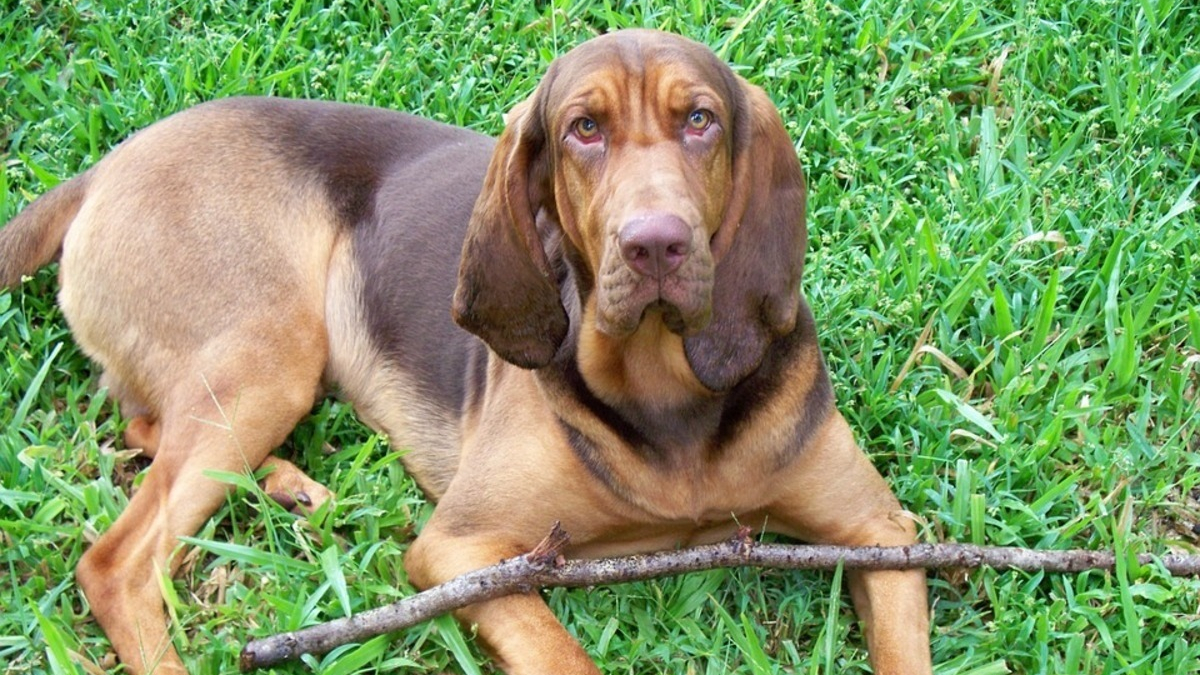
[{"x": 544, "y": 567}]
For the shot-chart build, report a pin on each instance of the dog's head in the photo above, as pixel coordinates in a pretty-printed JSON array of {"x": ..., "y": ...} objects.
[{"x": 674, "y": 186}]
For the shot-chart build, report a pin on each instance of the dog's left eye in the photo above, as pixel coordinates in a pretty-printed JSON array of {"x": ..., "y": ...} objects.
[{"x": 699, "y": 120}]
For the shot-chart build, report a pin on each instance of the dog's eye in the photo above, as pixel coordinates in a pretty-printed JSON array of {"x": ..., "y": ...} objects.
[
  {"x": 586, "y": 129},
  {"x": 699, "y": 120}
]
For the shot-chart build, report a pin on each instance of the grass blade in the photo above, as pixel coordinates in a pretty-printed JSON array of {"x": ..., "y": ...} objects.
[
  {"x": 331, "y": 566},
  {"x": 970, "y": 414},
  {"x": 31, "y": 393}
]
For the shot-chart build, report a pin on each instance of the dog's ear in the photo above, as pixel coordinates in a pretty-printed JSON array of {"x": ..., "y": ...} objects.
[
  {"x": 759, "y": 249},
  {"x": 507, "y": 292}
]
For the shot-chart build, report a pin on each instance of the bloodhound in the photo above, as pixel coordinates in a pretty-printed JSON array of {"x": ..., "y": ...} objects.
[{"x": 638, "y": 362}]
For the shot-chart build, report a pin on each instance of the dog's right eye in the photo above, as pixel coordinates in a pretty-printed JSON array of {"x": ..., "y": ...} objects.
[{"x": 586, "y": 129}]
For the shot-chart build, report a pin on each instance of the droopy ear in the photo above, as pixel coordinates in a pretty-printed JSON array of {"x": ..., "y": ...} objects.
[
  {"x": 759, "y": 246},
  {"x": 507, "y": 293}
]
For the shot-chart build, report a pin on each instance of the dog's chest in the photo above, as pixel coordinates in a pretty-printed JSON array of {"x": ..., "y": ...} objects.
[{"x": 690, "y": 481}]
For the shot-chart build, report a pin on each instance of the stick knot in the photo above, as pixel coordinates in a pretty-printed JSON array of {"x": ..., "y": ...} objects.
[
  {"x": 741, "y": 541},
  {"x": 549, "y": 551}
]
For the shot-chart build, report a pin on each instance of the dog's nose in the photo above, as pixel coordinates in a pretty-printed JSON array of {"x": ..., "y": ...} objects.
[{"x": 655, "y": 245}]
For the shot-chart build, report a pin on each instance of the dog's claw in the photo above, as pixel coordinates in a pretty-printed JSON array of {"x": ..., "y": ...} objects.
[{"x": 283, "y": 499}]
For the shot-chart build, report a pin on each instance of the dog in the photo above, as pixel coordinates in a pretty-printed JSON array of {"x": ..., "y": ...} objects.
[{"x": 638, "y": 361}]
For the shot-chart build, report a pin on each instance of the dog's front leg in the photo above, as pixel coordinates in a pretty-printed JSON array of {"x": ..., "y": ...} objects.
[
  {"x": 519, "y": 631},
  {"x": 832, "y": 494}
]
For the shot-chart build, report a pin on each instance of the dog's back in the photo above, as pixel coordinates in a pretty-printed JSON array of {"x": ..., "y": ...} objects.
[
  {"x": 394, "y": 349},
  {"x": 221, "y": 213}
]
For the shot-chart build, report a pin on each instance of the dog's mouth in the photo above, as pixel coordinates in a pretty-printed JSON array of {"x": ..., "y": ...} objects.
[
  {"x": 674, "y": 319},
  {"x": 682, "y": 302}
]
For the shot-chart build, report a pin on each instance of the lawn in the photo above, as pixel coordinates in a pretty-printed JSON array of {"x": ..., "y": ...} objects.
[{"x": 1003, "y": 260}]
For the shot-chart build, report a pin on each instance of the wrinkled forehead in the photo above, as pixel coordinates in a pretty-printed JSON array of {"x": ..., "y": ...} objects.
[{"x": 628, "y": 62}]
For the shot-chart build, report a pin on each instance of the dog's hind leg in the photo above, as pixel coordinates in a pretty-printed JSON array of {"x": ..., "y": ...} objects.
[
  {"x": 285, "y": 482},
  {"x": 231, "y": 404}
]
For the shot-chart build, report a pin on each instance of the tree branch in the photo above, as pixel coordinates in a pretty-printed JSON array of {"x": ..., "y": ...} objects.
[{"x": 545, "y": 567}]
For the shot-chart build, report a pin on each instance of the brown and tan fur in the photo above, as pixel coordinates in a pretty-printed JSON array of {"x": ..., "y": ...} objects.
[{"x": 228, "y": 264}]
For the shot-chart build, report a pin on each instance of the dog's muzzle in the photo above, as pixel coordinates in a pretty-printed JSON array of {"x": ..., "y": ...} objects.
[{"x": 660, "y": 265}]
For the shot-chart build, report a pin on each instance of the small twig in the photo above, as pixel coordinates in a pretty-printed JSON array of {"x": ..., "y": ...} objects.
[
  {"x": 549, "y": 550},
  {"x": 545, "y": 568}
]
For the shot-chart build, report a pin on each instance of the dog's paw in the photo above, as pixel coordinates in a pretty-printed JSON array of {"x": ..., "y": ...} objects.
[{"x": 292, "y": 488}]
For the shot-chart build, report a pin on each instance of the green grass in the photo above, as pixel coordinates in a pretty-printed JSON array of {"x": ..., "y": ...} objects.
[{"x": 1003, "y": 194}]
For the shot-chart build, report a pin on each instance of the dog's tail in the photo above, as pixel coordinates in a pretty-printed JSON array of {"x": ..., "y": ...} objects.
[{"x": 35, "y": 236}]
